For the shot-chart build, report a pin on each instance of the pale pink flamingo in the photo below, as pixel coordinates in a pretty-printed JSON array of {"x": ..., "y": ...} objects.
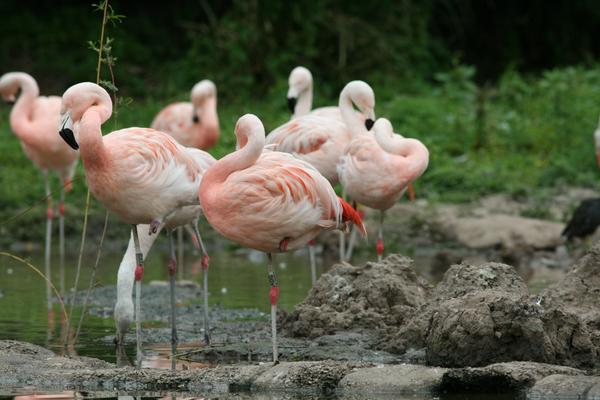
[
  {"x": 184, "y": 216},
  {"x": 195, "y": 123},
  {"x": 300, "y": 95},
  {"x": 377, "y": 168},
  {"x": 139, "y": 174},
  {"x": 34, "y": 119},
  {"x": 321, "y": 140},
  {"x": 269, "y": 201}
]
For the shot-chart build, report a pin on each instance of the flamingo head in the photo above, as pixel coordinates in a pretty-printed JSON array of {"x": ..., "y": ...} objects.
[
  {"x": 76, "y": 101},
  {"x": 363, "y": 98},
  {"x": 300, "y": 80},
  {"x": 383, "y": 128},
  {"x": 201, "y": 93},
  {"x": 9, "y": 87},
  {"x": 249, "y": 128}
]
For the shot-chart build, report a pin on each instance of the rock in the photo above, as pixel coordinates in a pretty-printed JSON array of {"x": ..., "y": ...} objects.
[
  {"x": 484, "y": 314},
  {"x": 499, "y": 377},
  {"x": 579, "y": 291},
  {"x": 564, "y": 387},
  {"x": 304, "y": 376},
  {"x": 392, "y": 379},
  {"x": 502, "y": 231},
  {"x": 371, "y": 296}
]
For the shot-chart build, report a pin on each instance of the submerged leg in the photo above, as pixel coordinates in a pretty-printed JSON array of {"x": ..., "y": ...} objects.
[
  {"x": 273, "y": 296},
  {"x": 172, "y": 272},
  {"x": 61, "y": 240},
  {"x": 380, "y": 238},
  {"x": 48, "y": 244},
  {"x": 139, "y": 271},
  {"x": 205, "y": 264},
  {"x": 313, "y": 262}
]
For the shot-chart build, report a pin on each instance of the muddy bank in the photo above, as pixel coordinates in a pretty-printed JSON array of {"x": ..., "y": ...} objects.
[{"x": 27, "y": 365}]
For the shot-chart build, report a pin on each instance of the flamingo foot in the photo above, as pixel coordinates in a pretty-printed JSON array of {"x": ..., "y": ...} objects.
[
  {"x": 139, "y": 271},
  {"x": 172, "y": 266},
  {"x": 153, "y": 227},
  {"x": 283, "y": 245},
  {"x": 204, "y": 262}
]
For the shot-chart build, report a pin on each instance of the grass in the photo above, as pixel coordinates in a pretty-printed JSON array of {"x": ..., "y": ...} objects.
[{"x": 520, "y": 135}]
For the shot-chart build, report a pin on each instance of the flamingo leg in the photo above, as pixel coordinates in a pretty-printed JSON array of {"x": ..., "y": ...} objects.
[
  {"x": 61, "y": 240},
  {"x": 139, "y": 271},
  {"x": 172, "y": 271},
  {"x": 205, "y": 264},
  {"x": 411, "y": 192},
  {"x": 313, "y": 262},
  {"x": 353, "y": 236},
  {"x": 48, "y": 247},
  {"x": 180, "y": 252},
  {"x": 343, "y": 236},
  {"x": 379, "y": 246},
  {"x": 273, "y": 296}
]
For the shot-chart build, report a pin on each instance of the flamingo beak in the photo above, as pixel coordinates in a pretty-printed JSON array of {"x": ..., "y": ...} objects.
[
  {"x": 66, "y": 131},
  {"x": 10, "y": 100},
  {"x": 195, "y": 118},
  {"x": 292, "y": 104},
  {"x": 369, "y": 123}
]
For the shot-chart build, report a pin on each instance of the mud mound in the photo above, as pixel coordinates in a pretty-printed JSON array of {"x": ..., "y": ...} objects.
[
  {"x": 579, "y": 291},
  {"x": 481, "y": 315},
  {"x": 373, "y": 296}
]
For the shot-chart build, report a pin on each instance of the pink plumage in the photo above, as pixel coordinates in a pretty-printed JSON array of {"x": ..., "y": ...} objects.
[{"x": 267, "y": 200}]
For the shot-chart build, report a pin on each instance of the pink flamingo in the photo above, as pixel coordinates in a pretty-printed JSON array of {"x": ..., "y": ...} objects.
[
  {"x": 269, "y": 201},
  {"x": 184, "y": 216},
  {"x": 139, "y": 174},
  {"x": 195, "y": 123},
  {"x": 321, "y": 140},
  {"x": 377, "y": 169},
  {"x": 300, "y": 95},
  {"x": 34, "y": 119}
]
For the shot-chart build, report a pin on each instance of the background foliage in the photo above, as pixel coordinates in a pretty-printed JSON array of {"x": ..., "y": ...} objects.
[{"x": 505, "y": 94}]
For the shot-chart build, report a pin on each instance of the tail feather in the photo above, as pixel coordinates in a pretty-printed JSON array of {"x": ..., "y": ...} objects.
[{"x": 350, "y": 214}]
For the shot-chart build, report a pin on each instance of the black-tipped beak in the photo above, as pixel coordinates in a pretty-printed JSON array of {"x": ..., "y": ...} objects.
[
  {"x": 9, "y": 102},
  {"x": 69, "y": 137},
  {"x": 369, "y": 123},
  {"x": 292, "y": 104},
  {"x": 195, "y": 118}
]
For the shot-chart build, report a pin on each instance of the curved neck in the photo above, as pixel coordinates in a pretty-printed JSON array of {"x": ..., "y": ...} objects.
[
  {"x": 412, "y": 150},
  {"x": 304, "y": 104},
  {"x": 22, "y": 112},
  {"x": 251, "y": 148},
  {"x": 349, "y": 116},
  {"x": 90, "y": 138}
]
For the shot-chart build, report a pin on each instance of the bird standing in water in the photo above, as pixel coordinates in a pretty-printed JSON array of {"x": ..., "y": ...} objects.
[
  {"x": 35, "y": 119},
  {"x": 141, "y": 175},
  {"x": 269, "y": 201}
]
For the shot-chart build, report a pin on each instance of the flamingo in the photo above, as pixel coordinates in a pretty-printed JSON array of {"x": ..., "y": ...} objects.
[
  {"x": 139, "y": 174},
  {"x": 321, "y": 140},
  {"x": 34, "y": 120},
  {"x": 184, "y": 216},
  {"x": 376, "y": 169},
  {"x": 195, "y": 123},
  {"x": 300, "y": 94},
  {"x": 269, "y": 201}
]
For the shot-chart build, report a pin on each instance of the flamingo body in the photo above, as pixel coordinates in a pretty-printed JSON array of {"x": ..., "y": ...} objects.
[{"x": 192, "y": 124}]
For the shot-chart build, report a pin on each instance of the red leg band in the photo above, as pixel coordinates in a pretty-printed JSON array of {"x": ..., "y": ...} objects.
[
  {"x": 379, "y": 247},
  {"x": 204, "y": 262},
  {"x": 49, "y": 213},
  {"x": 61, "y": 209},
  {"x": 273, "y": 295},
  {"x": 139, "y": 271},
  {"x": 172, "y": 265}
]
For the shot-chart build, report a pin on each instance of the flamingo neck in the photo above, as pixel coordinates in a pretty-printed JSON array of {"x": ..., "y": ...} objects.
[
  {"x": 22, "y": 113},
  {"x": 304, "y": 103},
  {"x": 412, "y": 150},
  {"x": 209, "y": 132},
  {"x": 251, "y": 147},
  {"x": 93, "y": 152},
  {"x": 349, "y": 116}
]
